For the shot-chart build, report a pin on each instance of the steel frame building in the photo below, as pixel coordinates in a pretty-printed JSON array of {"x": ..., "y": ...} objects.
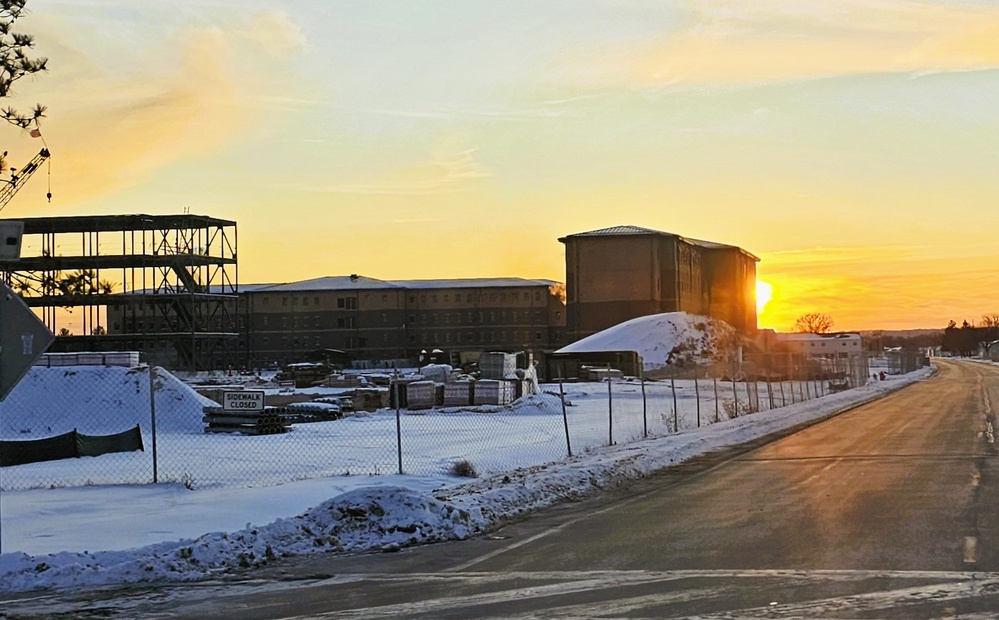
[{"x": 177, "y": 272}]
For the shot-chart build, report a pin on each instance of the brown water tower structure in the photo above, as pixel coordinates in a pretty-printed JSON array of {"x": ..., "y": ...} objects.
[{"x": 623, "y": 272}]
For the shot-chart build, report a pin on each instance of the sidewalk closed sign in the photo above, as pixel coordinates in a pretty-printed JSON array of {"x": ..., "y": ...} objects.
[{"x": 243, "y": 400}]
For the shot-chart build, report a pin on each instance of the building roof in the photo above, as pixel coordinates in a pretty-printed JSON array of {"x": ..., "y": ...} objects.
[
  {"x": 357, "y": 283},
  {"x": 629, "y": 230},
  {"x": 327, "y": 283},
  {"x": 472, "y": 283},
  {"x": 114, "y": 223}
]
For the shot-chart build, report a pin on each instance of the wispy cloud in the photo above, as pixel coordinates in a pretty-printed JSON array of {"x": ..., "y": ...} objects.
[
  {"x": 729, "y": 42},
  {"x": 110, "y": 128},
  {"x": 449, "y": 168}
]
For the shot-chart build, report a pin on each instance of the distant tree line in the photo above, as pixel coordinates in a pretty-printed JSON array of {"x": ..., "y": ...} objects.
[{"x": 967, "y": 339}]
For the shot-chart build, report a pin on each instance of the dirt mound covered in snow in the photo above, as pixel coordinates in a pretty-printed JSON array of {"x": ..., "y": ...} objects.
[
  {"x": 660, "y": 339},
  {"x": 97, "y": 400}
]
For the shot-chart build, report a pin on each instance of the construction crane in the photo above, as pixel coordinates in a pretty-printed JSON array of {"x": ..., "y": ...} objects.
[{"x": 18, "y": 178}]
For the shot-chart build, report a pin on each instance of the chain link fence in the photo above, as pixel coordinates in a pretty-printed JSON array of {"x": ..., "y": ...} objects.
[{"x": 97, "y": 425}]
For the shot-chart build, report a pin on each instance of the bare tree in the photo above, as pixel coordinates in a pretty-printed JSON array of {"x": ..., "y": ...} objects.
[
  {"x": 988, "y": 331},
  {"x": 813, "y": 323}
]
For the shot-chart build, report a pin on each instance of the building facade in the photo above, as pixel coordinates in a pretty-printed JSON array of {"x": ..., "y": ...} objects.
[
  {"x": 620, "y": 273},
  {"x": 377, "y": 320}
]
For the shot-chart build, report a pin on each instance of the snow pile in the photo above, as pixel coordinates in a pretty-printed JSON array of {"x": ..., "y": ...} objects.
[
  {"x": 388, "y": 518},
  {"x": 659, "y": 339},
  {"x": 531, "y": 404},
  {"x": 97, "y": 400},
  {"x": 378, "y": 518}
]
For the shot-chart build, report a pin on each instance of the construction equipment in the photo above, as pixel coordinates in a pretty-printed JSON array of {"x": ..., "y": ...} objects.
[{"x": 18, "y": 178}]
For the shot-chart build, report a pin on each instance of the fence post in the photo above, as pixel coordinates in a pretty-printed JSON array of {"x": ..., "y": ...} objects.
[
  {"x": 152, "y": 419},
  {"x": 1, "y": 500},
  {"x": 790, "y": 375},
  {"x": 697, "y": 398},
  {"x": 735, "y": 394},
  {"x": 398, "y": 418},
  {"x": 717, "y": 417},
  {"x": 645, "y": 410},
  {"x": 672, "y": 386},
  {"x": 610, "y": 413},
  {"x": 565, "y": 418}
]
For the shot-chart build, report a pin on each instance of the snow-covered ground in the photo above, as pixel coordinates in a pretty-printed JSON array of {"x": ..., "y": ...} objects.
[{"x": 95, "y": 534}]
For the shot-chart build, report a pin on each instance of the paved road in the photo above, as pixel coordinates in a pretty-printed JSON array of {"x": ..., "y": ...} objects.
[{"x": 886, "y": 511}]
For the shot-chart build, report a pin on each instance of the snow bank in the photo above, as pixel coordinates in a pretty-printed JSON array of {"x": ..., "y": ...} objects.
[
  {"x": 388, "y": 518},
  {"x": 658, "y": 338},
  {"x": 97, "y": 400}
]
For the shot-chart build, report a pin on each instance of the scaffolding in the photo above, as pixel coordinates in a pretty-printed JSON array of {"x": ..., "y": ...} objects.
[{"x": 164, "y": 285}]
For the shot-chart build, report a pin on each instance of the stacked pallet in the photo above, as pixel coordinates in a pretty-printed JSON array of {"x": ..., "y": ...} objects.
[
  {"x": 497, "y": 366},
  {"x": 458, "y": 394},
  {"x": 423, "y": 395},
  {"x": 489, "y": 392},
  {"x": 270, "y": 421}
]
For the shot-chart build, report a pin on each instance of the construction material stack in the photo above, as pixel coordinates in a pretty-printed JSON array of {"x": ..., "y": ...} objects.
[
  {"x": 458, "y": 394},
  {"x": 498, "y": 366},
  {"x": 243, "y": 411},
  {"x": 422, "y": 395},
  {"x": 270, "y": 421},
  {"x": 490, "y": 392}
]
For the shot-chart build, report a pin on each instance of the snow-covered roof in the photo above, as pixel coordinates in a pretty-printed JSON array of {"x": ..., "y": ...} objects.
[
  {"x": 472, "y": 283},
  {"x": 329, "y": 283},
  {"x": 628, "y": 230},
  {"x": 355, "y": 282}
]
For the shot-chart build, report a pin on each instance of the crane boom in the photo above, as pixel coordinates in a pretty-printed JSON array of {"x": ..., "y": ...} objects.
[{"x": 18, "y": 178}]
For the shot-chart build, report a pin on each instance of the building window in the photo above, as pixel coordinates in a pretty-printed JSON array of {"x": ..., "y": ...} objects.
[
  {"x": 537, "y": 335},
  {"x": 384, "y": 317},
  {"x": 305, "y": 301},
  {"x": 284, "y": 301}
]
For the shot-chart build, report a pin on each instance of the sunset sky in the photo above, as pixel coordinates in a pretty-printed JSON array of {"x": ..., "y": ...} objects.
[{"x": 853, "y": 145}]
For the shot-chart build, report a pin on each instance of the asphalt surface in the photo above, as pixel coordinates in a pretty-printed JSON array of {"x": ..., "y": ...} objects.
[{"x": 886, "y": 511}]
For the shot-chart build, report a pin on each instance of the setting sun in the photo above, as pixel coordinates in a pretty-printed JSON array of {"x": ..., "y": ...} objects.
[{"x": 764, "y": 292}]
